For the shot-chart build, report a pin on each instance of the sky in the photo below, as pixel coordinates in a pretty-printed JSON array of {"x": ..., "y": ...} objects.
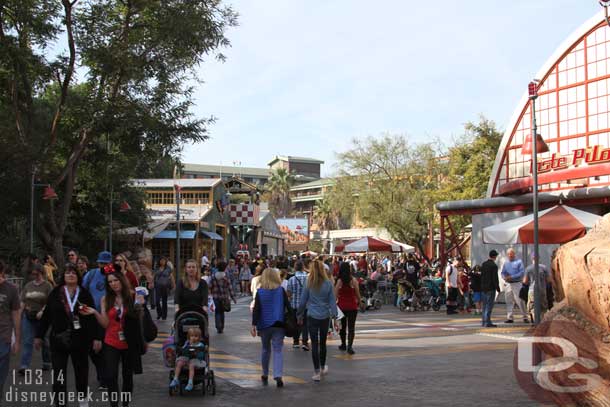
[{"x": 306, "y": 77}]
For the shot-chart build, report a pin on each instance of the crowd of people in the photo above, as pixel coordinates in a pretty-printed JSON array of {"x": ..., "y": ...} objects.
[
  {"x": 78, "y": 314},
  {"x": 91, "y": 314}
]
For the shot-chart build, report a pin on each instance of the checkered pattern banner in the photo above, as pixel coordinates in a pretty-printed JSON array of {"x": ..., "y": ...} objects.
[{"x": 244, "y": 214}]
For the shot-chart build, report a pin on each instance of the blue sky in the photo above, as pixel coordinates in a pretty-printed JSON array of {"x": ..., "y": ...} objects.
[{"x": 304, "y": 77}]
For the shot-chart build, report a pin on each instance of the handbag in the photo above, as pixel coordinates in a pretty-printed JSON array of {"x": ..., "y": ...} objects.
[
  {"x": 524, "y": 291},
  {"x": 226, "y": 304},
  {"x": 291, "y": 329},
  {"x": 149, "y": 328}
]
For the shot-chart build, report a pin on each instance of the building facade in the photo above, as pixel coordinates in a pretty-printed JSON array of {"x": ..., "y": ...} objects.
[
  {"x": 304, "y": 169},
  {"x": 255, "y": 176},
  {"x": 573, "y": 118},
  {"x": 203, "y": 219}
]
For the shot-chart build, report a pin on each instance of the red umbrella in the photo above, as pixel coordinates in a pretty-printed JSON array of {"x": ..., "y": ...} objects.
[{"x": 367, "y": 244}]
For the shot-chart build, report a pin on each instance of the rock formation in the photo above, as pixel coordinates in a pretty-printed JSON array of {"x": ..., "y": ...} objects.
[{"x": 581, "y": 274}]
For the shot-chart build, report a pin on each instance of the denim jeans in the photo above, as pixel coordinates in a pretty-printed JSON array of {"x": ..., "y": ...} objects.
[
  {"x": 318, "y": 331},
  {"x": 302, "y": 332},
  {"x": 28, "y": 332},
  {"x": 5, "y": 355},
  {"x": 219, "y": 315},
  {"x": 272, "y": 338},
  {"x": 489, "y": 298}
]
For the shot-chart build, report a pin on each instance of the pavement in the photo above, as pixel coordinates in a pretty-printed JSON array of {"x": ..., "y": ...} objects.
[{"x": 402, "y": 358}]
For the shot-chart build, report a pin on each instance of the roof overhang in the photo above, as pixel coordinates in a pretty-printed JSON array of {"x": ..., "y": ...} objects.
[{"x": 575, "y": 197}]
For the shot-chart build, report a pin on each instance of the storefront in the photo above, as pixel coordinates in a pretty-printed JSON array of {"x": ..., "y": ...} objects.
[
  {"x": 573, "y": 118},
  {"x": 203, "y": 219}
]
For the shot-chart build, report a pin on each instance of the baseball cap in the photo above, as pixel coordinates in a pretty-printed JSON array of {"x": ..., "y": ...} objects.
[
  {"x": 493, "y": 253},
  {"x": 104, "y": 257}
]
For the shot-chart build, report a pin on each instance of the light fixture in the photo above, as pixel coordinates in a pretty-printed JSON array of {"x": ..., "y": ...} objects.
[
  {"x": 541, "y": 146},
  {"x": 124, "y": 207},
  {"x": 605, "y": 4},
  {"x": 49, "y": 194}
]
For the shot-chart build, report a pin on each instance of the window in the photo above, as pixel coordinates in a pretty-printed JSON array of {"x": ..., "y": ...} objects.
[{"x": 195, "y": 198}]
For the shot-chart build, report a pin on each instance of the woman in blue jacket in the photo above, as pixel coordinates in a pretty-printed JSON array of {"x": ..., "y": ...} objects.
[
  {"x": 270, "y": 304},
  {"x": 318, "y": 299}
]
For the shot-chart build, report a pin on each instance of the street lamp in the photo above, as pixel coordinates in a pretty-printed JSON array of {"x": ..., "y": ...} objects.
[
  {"x": 605, "y": 4},
  {"x": 177, "y": 188},
  {"x": 48, "y": 195},
  {"x": 534, "y": 145}
]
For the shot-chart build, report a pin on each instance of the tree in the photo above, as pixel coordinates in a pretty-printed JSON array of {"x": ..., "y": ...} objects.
[
  {"x": 115, "y": 104},
  {"x": 388, "y": 182},
  {"x": 470, "y": 161},
  {"x": 278, "y": 187},
  {"x": 324, "y": 215}
]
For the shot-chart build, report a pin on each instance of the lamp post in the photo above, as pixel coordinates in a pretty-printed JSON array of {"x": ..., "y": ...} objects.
[
  {"x": 605, "y": 4},
  {"x": 49, "y": 194},
  {"x": 177, "y": 188},
  {"x": 534, "y": 144}
]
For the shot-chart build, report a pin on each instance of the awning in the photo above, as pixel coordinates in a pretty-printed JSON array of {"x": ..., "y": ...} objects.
[
  {"x": 211, "y": 235},
  {"x": 171, "y": 234},
  {"x": 152, "y": 229}
]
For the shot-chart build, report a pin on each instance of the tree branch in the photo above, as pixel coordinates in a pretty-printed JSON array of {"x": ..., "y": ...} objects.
[{"x": 69, "y": 72}]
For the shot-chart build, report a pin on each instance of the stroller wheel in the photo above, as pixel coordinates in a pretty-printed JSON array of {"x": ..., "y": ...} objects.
[
  {"x": 436, "y": 307},
  {"x": 402, "y": 306},
  {"x": 377, "y": 304},
  {"x": 211, "y": 383}
]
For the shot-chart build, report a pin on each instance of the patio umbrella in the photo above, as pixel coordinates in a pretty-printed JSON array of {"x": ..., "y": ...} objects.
[
  {"x": 558, "y": 224},
  {"x": 309, "y": 253},
  {"x": 368, "y": 244},
  {"x": 399, "y": 247}
]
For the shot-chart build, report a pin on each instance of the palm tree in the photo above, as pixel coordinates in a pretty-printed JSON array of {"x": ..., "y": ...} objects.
[
  {"x": 279, "y": 185},
  {"x": 325, "y": 215}
]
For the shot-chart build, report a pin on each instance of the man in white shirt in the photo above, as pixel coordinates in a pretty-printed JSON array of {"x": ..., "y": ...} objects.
[
  {"x": 451, "y": 282},
  {"x": 205, "y": 262}
]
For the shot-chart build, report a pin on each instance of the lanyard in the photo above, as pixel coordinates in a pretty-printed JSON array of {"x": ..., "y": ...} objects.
[{"x": 72, "y": 303}]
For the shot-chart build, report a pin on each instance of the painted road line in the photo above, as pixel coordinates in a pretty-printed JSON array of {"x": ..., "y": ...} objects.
[
  {"x": 251, "y": 379},
  {"x": 500, "y": 336},
  {"x": 427, "y": 351}
]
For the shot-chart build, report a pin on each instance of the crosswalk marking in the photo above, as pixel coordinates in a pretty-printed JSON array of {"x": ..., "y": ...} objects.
[
  {"x": 428, "y": 351},
  {"x": 252, "y": 380}
]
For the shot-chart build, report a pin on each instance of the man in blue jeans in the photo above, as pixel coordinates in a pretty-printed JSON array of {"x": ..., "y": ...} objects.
[
  {"x": 490, "y": 285},
  {"x": 10, "y": 321}
]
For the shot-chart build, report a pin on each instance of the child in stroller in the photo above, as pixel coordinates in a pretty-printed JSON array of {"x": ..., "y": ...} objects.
[
  {"x": 192, "y": 348},
  {"x": 193, "y": 354}
]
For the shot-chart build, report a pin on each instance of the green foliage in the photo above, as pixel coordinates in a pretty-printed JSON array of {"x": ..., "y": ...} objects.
[
  {"x": 470, "y": 163},
  {"x": 278, "y": 189},
  {"x": 325, "y": 216},
  {"x": 126, "y": 111},
  {"x": 390, "y": 183}
]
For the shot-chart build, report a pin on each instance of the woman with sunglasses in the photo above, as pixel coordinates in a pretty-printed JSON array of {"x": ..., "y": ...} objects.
[
  {"x": 123, "y": 342},
  {"x": 73, "y": 333}
]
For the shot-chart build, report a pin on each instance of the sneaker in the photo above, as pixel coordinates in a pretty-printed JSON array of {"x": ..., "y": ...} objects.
[
  {"x": 324, "y": 370},
  {"x": 316, "y": 377},
  {"x": 491, "y": 326},
  {"x": 295, "y": 346},
  {"x": 526, "y": 321},
  {"x": 342, "y": 347},
  {"x": 189, "y": 386},
  {"x": 265, "y": 380},
  {"x": 508, "y": 321},
  {"x": 279, "y": 382},
  {"x": 350, "y": 350},
  {"x": 174, "y": 383},
  {"x": 305, "y": 347}
]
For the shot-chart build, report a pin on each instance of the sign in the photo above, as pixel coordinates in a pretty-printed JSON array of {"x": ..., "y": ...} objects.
[
  {"x": 294, "y": 230},
  {"x": 592, "y": 155}
]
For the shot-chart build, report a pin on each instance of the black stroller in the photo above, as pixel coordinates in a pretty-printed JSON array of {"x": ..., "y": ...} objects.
[{"x": 193, "y": 317}]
